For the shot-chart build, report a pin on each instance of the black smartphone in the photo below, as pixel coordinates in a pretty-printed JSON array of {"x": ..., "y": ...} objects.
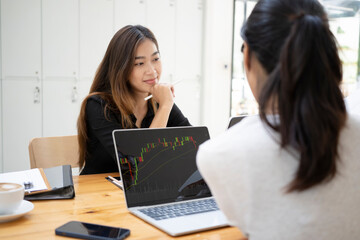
[{"x": 91, "y": 231}]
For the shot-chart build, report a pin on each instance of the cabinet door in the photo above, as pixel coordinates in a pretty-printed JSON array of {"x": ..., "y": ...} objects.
[
  {"x": 96, "y": 31},
  {"x": 188, "y": 38},
  {"x": 60, "y": 107},
  {"x": 21, "y": 38},
  {"x": 21, "y": 121},
  {"x": 60, "y": 38},
  {"x": 161, "y": 21},
  {"x": 131, "y": 12}
]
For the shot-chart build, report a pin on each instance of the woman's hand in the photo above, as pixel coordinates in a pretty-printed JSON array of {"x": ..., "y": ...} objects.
[{"x": 163, "y": 94}]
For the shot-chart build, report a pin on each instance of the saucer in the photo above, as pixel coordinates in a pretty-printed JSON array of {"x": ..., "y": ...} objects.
[{"x": 24, "y": 208}]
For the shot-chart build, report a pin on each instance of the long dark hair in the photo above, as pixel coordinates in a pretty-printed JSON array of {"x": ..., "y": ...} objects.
[
  {"x": 111, "y": 80},
  {"x": 293, "y": 42}
]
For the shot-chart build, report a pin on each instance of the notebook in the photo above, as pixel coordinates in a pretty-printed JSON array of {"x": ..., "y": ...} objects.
[
  {"x": 235, "y": 120},
  {"x": 161, "y": 182},
  {"x": 44, "y": 183}
]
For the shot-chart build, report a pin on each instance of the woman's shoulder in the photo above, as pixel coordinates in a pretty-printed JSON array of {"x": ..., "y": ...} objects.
[
  {"x": 95, "y": 98},
  {"x": 232, "y": 147},
  {"x": 247, "y": 129},
  {"x": 95, "y": 104},
  {"x": 177, "y": 118}
]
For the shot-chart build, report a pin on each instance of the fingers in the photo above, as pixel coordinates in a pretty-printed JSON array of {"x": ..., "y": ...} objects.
[
  {"x": 172, "y": 90},
  {"x": 162, "y": 87},
  {"x": 163, "y": 94}
]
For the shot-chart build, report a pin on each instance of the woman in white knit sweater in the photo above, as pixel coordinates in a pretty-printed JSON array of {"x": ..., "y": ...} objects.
[{"x": 293, "y": 172}]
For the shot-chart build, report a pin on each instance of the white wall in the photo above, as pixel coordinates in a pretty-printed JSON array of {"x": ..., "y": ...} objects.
[{"x": 217, "y": 65}]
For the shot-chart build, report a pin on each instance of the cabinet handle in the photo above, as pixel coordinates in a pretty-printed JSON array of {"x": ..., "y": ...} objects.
[
  {"x": 74, "y": 95},
  {"x": 37, "y": 95}
]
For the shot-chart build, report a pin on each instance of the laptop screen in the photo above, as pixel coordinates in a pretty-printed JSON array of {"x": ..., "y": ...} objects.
[
  {"x": 159, "y": 165},
  {"x": 235, "y": 120}
]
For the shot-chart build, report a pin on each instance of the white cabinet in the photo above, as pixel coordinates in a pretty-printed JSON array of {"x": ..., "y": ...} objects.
[
  {"x": 60, "y": 21},
  {"x": 131, "y": 12},
  {"x": 60, "y": 28},
  {"x": 96, "y": 31},
  {"x": 21, "y": 80},
  {"x": 21, "y": 120},
  {"x": 60, "y": 107},
  {"x": 21, "y": 37},
  {"x": 161, "y": 21}
]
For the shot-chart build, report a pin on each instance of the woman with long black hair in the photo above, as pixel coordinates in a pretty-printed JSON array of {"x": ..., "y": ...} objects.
[
  {"x": 293, "y": 171},
  {"x": 129, "y": 72}
]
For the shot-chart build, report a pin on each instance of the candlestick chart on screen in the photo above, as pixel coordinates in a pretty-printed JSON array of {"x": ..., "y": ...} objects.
[{"x": 154, "y": 157}]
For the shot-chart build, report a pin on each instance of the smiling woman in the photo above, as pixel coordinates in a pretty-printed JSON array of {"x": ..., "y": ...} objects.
[
  {"x": 129, "y": 72},
  {"x": 147, "y": 69}
]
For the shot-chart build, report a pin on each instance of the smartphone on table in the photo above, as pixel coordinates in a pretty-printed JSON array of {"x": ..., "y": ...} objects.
[{"x": 91, "y": 231}]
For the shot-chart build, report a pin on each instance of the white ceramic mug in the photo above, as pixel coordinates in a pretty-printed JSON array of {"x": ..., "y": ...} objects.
[{"x": 11, "y": 196}]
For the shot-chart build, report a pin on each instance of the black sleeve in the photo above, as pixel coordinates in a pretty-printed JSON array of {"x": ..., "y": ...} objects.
[
  {"x": 100, "y": 127},
  {"x": 176, "y": 118}
]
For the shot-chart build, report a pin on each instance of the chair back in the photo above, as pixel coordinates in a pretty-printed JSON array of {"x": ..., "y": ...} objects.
[{"x": 46, "y": 152}]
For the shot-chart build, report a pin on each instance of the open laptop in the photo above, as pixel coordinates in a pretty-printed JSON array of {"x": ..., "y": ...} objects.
[
  {"x": 234, "y": 120},
  {"x": 161, "y": 182}
]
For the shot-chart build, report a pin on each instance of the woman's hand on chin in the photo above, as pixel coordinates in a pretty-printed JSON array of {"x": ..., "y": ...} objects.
[{"x": 163, "y": 94}]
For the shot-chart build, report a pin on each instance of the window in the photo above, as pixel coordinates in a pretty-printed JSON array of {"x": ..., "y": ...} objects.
[{"x": 345, "y": 25}]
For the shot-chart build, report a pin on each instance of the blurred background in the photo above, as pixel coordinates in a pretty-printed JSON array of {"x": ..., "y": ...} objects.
[{"x": 344, "y": 23}]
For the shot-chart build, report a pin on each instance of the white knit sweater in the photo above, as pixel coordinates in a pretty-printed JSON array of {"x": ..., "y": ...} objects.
[{"x": 247, "y": 173}]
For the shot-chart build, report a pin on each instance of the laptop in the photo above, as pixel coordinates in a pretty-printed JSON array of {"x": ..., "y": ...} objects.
[
  {"x": 235, "y": 120},
  {"x": 161, "y": 182}
]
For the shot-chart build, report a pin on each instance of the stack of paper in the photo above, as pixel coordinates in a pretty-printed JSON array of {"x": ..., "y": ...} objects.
[{"x": 34, "y": 180}]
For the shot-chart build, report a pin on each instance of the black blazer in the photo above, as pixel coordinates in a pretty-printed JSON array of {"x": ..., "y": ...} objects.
[{"x": 101, "y": 152}]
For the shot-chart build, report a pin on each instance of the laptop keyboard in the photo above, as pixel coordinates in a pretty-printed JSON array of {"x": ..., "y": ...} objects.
[{"x": 180, "y": 209}]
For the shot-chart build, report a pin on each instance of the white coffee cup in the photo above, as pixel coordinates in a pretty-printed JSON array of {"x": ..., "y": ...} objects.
[{"x": 11, "y": 196}]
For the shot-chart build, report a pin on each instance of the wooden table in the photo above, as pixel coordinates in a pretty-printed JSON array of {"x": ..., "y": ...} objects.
[{"x": 97, "y": 201}]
